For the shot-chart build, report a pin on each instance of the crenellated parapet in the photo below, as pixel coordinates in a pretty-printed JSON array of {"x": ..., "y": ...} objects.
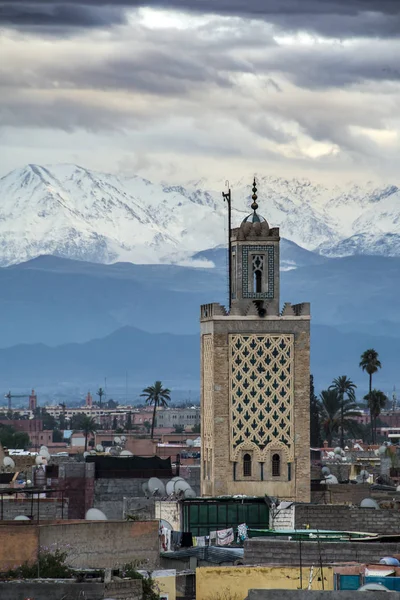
[{"x": 251, "y": 309}]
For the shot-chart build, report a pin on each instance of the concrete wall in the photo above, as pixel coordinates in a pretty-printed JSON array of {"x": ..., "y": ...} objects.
[
  {"x": 237, "y": 581},
  {"x": 104, "y": 544},
  {"x": 309, "y": 595},
  {"x": 19, "y": 544},
  {"x": 48, "y": 508},
  {"x": 60, "y": 590},
  {"x": 109, "y": 497},
  {"x": 347, "y": 518},
  {"x": 169, "y": 511},
  {"x": 50, "y": 591},
  {"x": 267, "y": 551}
]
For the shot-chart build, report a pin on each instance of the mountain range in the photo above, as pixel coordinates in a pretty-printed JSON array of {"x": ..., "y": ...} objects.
[
  {"x": 103, "y": 275},
  {"x": 72, "y": 212}
]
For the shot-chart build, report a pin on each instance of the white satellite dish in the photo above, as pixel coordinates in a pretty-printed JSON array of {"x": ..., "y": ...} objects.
[
  {"x": 189, "y": 493},
  {"x": 94, "y": 514},
  {"x": 21, "y": 518},
  {"x": 123, "y": 438},
  {"x": 364, "y": 476},
  {"x": 330, "y": 480},
  {"x": 99, "y": 448},
  {"x": 85, "y": 454},
  {"x": 8, "y": 462},
  {"x": 44, "y": 448},
  {"x": 325, "y": 471},
  {"x": 39, "y": 460},
  {"x": 145, "y": 488},
  {"x": 126, "y": 453},
  {"x": 170, "y": 487},
  {"x": 189, "y": 442},
  {"x": 117, "y": 440},
  {"x": 369, "y": 503},
  {"x": 177, "y": 479},
  {"x": 113, "y": 451},
  {"x": 181, "y": 486},
  {"x": 156, "y": 487},
  {"x": 382, "y": 450}
]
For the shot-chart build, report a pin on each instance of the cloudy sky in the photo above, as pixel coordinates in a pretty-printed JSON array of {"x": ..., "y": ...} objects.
[{"x": 178, "y": 89}]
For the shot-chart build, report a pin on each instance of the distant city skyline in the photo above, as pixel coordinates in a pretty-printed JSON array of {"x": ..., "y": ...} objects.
[{"x": 192, "y": 88}]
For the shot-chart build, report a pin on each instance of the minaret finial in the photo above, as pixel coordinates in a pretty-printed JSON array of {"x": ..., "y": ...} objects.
[{"x": 254, "y": 197}]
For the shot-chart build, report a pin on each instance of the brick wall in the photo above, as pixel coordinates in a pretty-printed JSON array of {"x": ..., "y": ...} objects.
[
  {"x": 104, "y": 544},
  {"x": 19, "y": 543},
  {"x": 48, "y": 590},
  {"x": 347, "y": 518},
  {"x": 47, "y": 509},
  {"x": 269, "y": 551},
  {"x": 124, "y": 590}
]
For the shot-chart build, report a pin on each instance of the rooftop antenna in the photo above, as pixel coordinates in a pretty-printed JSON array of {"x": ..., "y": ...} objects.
[{"x": 228, "y": 197}]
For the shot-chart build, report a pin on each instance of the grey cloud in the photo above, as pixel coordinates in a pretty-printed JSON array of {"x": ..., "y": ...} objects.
[{"x": 369, "y": 18}]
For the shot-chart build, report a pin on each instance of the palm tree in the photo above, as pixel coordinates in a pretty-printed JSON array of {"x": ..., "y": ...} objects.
[
  {"x": 87, "y": 425},
  {"x": 376, "y": 401},
  {"x": 100, "y": 392},
  {"x": 344, "y": 388},
  {"x": 370, "y": 363},
  {"x": 158, "y": 396},
  {"x": 331, "y": 407}
]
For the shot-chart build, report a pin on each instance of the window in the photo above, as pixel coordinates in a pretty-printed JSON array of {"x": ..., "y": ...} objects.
[
  {"x": 257, "y": 268},
  {"x": 276, "y": 465},
  {"x": 233, "y": 282},
  {"x": 247, "y": 465}
]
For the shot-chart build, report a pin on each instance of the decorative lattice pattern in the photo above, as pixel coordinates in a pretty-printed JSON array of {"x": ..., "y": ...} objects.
[
  {"x": 269, "y": 251},
  {"x": 208, "y": 385},
  {"x": 261, "y": 393}
]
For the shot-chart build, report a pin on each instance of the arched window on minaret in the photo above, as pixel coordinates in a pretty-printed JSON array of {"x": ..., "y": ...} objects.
[
  {"x": 258, "y": 267},
  {"x": 247, "y": 465},
  {"x": 276, "y": 465}
]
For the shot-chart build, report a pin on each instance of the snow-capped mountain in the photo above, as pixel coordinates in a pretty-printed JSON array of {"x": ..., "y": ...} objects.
[{"x": 69, "y": 211}]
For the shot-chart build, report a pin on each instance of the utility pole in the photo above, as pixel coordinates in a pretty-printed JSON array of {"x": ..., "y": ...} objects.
[{"x": 228, "y": 197}]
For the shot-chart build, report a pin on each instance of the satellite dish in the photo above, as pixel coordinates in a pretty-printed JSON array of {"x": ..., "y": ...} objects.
[
  {"x": 369, "y": 503},
  {"x": 189, "y": 493},
  {"x": 181, "y": 486},
  {"x": 389, "y": 560},
  {"x": 113, "y": 451},
  {"x": 117, "y": 440},
  {"x": 8, "y": 462},
  {"x": 170, "y": 487},
  {"x": 382, "y": 450},
  {"x": 28, "y": 482},
  {"x": 85, "y": 454},
  {"x": 156, "y": 487},
  {"x": 123, "y": 438},
  {"x": 45, "y": 448},
  {"x": 364, "y": 476},
  {"x": 126, "y": 453},
  {"x": 325, "y": 471},
  {"x": 21, "y": 518},
  {"x": 189, "y": 442},
  {"x": 94, "y": 514},
  {"x": 177, "y": 479},
  {"x": 373, "y": 587},
  {"x": 330, "y": 480},
  {"x": 338, "y": 450},
  {"x": 99, "y": 448},
  {"x": 145, "y": 488}
]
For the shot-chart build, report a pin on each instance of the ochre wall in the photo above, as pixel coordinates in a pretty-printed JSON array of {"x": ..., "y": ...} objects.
[
  {"x": 18, "y": 544},
  {"x": 237, "y": 581}
]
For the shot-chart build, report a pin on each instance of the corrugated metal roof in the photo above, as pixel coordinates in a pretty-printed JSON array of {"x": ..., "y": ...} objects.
[{"x": 211, "y": 554}]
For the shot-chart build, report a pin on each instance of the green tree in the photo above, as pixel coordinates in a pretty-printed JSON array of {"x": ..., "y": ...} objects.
[
  {"x": 62, "y": 420},
  {"x": 49, "y": 422},
  {"x": 112, "y": 404},
  {"x": 157, "y": 396},
  {"x": 85, "y": 424},
  {"x": 179, "y": 429},
  {"x": 147, "y": 426},
  {"x": 376, "y": 401},
  {"x": 196, "y": 428},
  {"x": 345, "y": 388},
  {"x": 100, "y": 392},
  {"x": 128, "y": 424},
  {"x": 330, "y": 410},
  {"x": 57, "y": 435},
  {"x": 315, "y": 425},
  {"x": 370, "y": 363},
  {"x": 10, "y": 438}
]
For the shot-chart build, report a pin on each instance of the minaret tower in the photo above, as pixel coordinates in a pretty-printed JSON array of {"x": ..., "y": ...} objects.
[{"x": 255, "y": 376}]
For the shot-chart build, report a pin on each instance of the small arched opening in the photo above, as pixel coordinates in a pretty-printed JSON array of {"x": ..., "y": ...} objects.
[
  {"x": 247, "y": 465},
  {"x": 276, "y": 465}
]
